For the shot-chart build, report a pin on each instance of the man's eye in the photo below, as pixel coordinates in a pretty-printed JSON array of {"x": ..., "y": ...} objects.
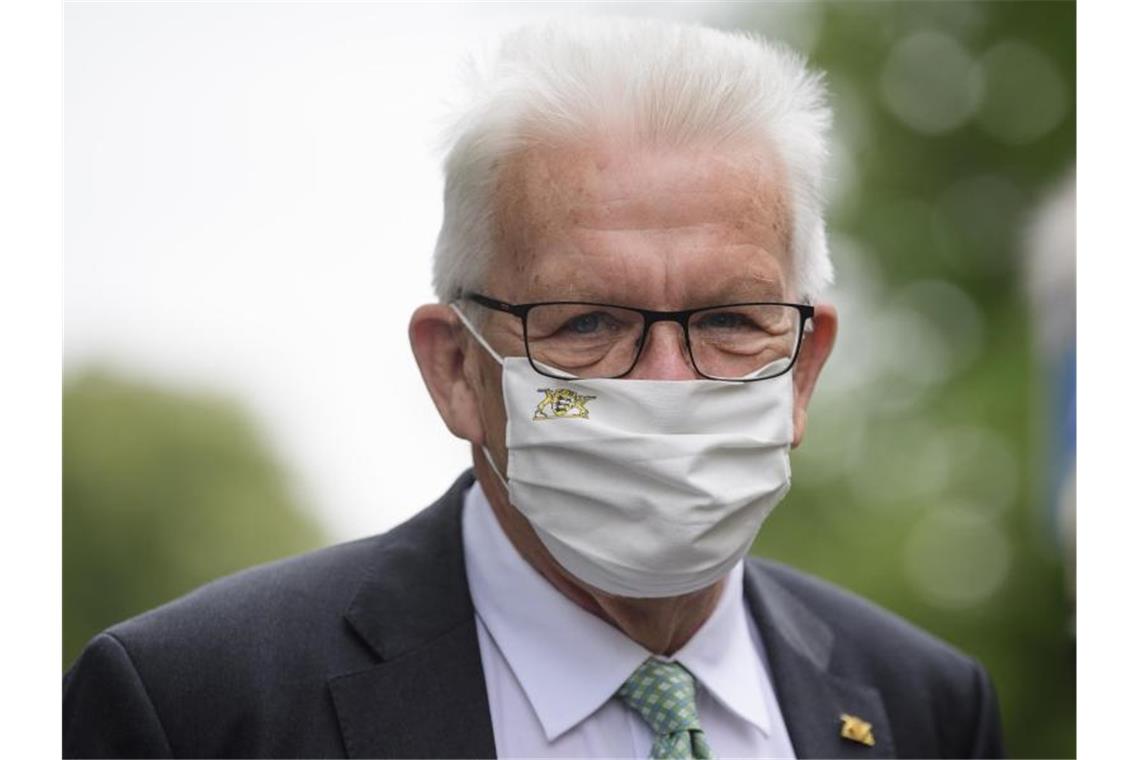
[
  {"x": 585, "y": 324},
  {"x": 725, "y": 321}
]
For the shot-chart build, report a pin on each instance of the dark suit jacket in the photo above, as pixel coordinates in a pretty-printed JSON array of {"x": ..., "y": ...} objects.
[{"x": 368, "y": 649}]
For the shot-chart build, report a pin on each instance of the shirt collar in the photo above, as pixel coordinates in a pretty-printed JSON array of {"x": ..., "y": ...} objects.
[
  {"x": 570, "y": 662},
  {"x": 724, "y": 658}
]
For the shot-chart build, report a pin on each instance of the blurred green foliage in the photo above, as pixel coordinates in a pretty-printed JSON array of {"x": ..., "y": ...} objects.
[
  {"x": 922, "y": 481},
  {"x": 162, "y": 491}
]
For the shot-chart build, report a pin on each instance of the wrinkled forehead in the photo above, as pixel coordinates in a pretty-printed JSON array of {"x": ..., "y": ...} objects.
[{"x": 651, "y": 226}]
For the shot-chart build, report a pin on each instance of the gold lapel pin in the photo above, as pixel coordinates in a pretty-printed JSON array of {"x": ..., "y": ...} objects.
[{"x": 856, "y": 730}]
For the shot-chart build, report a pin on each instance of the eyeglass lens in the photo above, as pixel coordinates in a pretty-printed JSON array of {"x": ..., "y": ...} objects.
[{"x": 729, "y": 343}]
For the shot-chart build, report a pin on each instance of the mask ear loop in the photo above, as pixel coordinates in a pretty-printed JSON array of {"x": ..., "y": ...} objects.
[
  {"x": 483, "y": 342},
  {"x": 475, "y": 333},
  {"x": 494, "y": 468}
]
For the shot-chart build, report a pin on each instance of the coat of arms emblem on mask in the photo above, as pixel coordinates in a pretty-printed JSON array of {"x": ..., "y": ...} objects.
[{"x": 562, "y": 403}]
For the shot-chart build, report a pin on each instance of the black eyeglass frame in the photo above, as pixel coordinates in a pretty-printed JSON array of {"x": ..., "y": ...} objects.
[{"x": 650, "y": 317}]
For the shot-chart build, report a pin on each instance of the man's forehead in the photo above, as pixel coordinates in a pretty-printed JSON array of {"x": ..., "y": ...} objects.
[
  {"x": 600, "y": 220},
  {"x": 599, "y": 175}
]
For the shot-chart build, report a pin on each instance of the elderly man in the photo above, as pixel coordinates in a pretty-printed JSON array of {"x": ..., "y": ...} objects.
[{"x": 628, "y": 335}]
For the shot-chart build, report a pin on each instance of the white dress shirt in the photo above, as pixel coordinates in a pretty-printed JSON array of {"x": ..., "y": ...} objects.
[{"x": 552, "y": 668}]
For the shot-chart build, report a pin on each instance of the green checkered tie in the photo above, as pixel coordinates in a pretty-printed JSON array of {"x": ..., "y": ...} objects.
[{"x": 665, "y": 694}]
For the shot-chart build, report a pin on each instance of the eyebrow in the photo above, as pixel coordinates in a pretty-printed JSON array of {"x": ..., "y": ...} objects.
[{"x": 759, "y": 291}]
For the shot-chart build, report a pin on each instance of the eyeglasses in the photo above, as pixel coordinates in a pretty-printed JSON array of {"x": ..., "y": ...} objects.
[{"x": 741, "y": 342}]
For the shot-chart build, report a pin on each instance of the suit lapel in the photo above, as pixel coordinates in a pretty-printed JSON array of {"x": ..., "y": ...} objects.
[
  {"x": 812, "y": 698},
  {"x": 427, "y": 696},
  {"x": 429, "y": 703}
]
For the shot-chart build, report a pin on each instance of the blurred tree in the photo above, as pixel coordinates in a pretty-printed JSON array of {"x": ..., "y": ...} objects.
[
  {"x": 920, "y": 482},
  {"x": 162, "y": 491}
]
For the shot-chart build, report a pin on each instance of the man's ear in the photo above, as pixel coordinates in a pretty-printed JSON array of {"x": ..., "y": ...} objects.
[
  {"x": 814, "y": 352},
  {"x": 440, "y": 348}
]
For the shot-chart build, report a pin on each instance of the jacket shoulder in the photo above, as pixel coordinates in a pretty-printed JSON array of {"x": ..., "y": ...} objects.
[
  {"x": 293, "y": 607},
  {"x": 219, "y": 671},
  {"x": 258, "y": 607}
]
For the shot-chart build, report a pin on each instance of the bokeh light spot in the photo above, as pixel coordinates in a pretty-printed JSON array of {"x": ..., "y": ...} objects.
[
  {"x": 953, "y": 314},
  {"x": 912, "y": 355},
  {"x": 930, "y": 83},
  {"x": 901, "y": 466},
  {"x": 956, "y": 557},
  {"x": 1025, "y": 96},
  {"x": 983, "y": 466}
]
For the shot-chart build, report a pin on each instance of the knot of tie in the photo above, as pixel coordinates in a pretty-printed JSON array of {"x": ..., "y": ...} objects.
[{"x": 665, "y": 695}]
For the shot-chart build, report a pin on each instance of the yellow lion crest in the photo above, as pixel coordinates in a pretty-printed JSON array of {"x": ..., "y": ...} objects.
[{"x": 562, "y": 403}]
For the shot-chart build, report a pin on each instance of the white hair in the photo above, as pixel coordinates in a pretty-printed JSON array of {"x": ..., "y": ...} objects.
[{"x": 670, "y": 82}]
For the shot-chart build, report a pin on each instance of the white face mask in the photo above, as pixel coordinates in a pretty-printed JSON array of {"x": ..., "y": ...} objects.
[{"x": 644, "y": 488}]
